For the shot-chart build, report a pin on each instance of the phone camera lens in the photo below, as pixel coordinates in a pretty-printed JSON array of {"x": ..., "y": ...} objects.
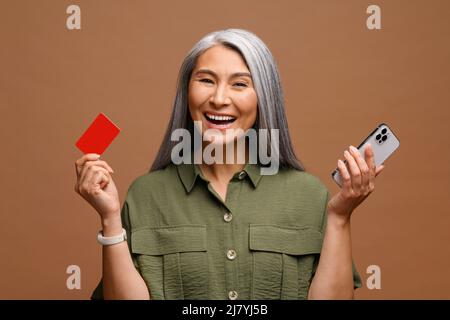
[
  {"x": 378, "y": 137},
  {"x": 384, "y": 138},
  {"x": 384, "y": 131}
]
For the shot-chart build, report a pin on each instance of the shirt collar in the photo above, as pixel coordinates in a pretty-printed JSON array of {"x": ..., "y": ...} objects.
[{"x": 188, "y": 174}]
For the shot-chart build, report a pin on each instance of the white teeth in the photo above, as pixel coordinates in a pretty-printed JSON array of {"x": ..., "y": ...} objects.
[{"x": 219, "y": 118}]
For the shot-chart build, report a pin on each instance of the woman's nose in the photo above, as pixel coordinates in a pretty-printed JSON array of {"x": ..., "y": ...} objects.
[{"x": 220, "y": 97}]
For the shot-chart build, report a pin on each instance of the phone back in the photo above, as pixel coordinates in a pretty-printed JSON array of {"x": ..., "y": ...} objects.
[{"x": 383, "y": 142}]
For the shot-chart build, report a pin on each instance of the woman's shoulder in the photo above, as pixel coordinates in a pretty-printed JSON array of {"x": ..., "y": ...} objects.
[
  {"x": 302, "y": 195},
  {"x": 303, "y": 180},
  {"x": 298, "y": 188},
  {"x": 153, "y": 180}
]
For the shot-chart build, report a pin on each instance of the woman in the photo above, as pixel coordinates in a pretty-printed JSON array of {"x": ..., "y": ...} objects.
[{"x": 225, "y": 230}]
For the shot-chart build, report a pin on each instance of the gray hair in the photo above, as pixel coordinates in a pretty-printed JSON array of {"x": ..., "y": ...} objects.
[{"x": 267, "y": 84}]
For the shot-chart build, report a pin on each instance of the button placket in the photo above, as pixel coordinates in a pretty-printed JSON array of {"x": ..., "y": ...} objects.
[{"x": 229, "y": 245}]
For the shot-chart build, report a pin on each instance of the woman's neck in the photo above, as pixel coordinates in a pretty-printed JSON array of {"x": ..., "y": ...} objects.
[{"x": 220, "y": 174}]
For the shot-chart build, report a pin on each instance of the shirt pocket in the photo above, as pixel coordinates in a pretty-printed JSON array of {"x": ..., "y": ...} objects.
[
  {"x": 282, "y": 260},
  {"x": 173, "y": 260}
]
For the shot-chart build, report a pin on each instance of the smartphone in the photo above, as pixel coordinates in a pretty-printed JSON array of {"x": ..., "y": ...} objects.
[{"x": 383, "y": 141}]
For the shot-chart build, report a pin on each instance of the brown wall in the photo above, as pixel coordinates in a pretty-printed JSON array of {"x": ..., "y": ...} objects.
[{"x": 340, "y": 80}]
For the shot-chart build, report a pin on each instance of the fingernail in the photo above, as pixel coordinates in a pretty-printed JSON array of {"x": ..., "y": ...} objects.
[{"x": 353, "y": 149}]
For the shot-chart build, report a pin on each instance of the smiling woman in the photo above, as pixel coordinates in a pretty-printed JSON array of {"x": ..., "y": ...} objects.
[
  {"x": 232, "y": 74},
  {"x": 221, "y": 92},
  {"x": 225, "y": 230},
  {"x": 222, "y": 95}
]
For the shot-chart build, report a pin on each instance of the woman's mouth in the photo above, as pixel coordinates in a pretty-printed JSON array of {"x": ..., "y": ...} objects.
[{"x": 219, "y": 121}]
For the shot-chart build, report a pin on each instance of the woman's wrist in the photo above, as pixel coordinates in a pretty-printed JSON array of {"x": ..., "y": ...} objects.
[
  {"x": 337, "y": 219},
  {"x": 112, "y": 225}
]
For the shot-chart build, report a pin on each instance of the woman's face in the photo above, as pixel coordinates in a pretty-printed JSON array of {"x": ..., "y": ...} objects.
[{"x": 221, "y": 93}]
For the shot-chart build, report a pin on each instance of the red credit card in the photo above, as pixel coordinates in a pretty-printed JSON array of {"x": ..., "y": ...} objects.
[{"x": 98, "y": 136}]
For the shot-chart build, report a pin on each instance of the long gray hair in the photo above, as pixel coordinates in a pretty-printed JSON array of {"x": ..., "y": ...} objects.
[{"x": 266, "y": 81}]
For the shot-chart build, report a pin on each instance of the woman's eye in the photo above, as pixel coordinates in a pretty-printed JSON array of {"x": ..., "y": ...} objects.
[
  {"x": 206, "y": 80},
  {"x": 240, "y": 84}
]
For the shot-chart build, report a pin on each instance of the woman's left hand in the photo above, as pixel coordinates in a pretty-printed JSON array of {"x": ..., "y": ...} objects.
[{"x": 357, "y": 183}]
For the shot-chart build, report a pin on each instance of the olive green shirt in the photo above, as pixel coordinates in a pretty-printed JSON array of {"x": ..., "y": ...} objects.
[{"x": 263, "y": 242}]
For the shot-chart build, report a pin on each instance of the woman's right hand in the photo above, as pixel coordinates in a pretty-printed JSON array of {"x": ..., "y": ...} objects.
[{"x": 96, "y": 186}]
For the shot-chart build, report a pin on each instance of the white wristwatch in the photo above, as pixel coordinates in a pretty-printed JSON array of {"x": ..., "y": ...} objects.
[{"x": 107, "y": 241}]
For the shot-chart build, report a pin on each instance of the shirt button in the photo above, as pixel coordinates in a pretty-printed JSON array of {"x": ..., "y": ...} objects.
[
  {"x": 227, "y": 217},
  {"x": 242, "y": 175},
  {"x": 231, "y": 254},
  {"x": 232, "y": 295}
]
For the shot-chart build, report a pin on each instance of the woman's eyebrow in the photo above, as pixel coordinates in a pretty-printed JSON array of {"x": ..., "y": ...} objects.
[
  {"x": 234, "y": 75},
  {"x": 241, "y": 74}
]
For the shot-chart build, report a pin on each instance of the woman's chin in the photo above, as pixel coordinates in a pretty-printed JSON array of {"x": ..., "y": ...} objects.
[{"x": 218, "y": 137}]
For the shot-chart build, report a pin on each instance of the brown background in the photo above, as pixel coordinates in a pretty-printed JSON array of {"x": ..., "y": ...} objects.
[{"x": 340, "y": 80}]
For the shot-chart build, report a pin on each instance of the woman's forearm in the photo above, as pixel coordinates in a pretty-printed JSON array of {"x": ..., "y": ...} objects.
[
  {"x": 121, "y": 280},
  {"x": 334, "y": 275}
]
